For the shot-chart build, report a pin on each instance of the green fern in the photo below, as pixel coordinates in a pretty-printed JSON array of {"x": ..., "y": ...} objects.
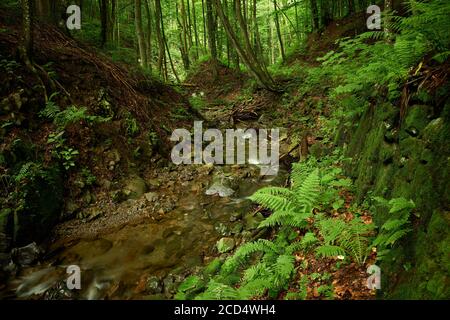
[
  {"x": 345, "y": 238},
  {"x": 292, "y": 206},
  {"x": 396, "y": 227}
]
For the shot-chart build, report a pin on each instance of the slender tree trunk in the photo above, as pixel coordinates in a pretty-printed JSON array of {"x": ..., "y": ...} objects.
[
  {"x": 277, "y": 26},
  {"x": 205, "y": 37},
  {"x": 185, "y": 43},
  {"x": 211, "y": 36},
  {"x": 314, "y": 15},
  {"x": 351, "y": 7},
  {"x": 26, "y": 41},
  {"x": 140, "y": 33},
  {"x": 195, "y": 29},
  {"x": 159, "y": 35},
  {"x": 248, "y": 58},
  {"x": 113, "y": 21},
  {"x": 104, "y": 22},
  {"x": 149, "y": 46}
]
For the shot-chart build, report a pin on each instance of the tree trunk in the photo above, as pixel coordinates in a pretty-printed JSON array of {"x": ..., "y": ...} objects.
[
  {"x": 277, "y": 25},
  {"x": 195, "y": 29},
  {"x": 140, "y": 33},
  {"x": 104, "y": 22},
  {"x": 314, "y": 15},
  {"x": 211, "y": 36},
  {"x": 159, "y": 35},
  {"x": 148, "y": 12},
  {"x": 26, "y": 41},
  {"x": 255, "y": 69}
]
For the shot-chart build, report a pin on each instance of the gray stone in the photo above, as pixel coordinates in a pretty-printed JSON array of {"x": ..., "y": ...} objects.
[
  {"x": 252, "y": 221},
  {"x": 154, "y": 285},
  {"x": 220, "y": 190},
  {"x": 151, "y": 196},
  {"x": 27, "y": 255},
  {"x": 135, "y": 188},
  {"x": 226, "y": 245}
]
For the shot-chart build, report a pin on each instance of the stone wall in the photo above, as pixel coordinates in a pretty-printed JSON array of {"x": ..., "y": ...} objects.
[{"x": 409, "y": 160}]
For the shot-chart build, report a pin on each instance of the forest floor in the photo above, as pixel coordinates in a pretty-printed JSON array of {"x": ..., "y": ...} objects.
[{"x": 147, "y": 224}]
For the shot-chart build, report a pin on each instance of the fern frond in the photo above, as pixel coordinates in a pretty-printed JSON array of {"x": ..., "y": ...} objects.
[
  {"x": 308, "y": 239},
  {"x": 328, "y": 251},
  {"x": 273, "y": 198},
  {"x": 276, "y": 218},
  {"x": 218, "y": 291}
]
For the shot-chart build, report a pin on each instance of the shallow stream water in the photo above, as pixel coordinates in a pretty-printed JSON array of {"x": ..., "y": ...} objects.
[{"x": 118, "y": 265}]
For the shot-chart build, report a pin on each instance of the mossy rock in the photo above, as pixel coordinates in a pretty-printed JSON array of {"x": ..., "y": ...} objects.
[
  {"x": 431, "y": 260},
  {"x": 415, "y": 121},
  {"x": 41, "y": 207},
  {"x": 225, "y": 245}
]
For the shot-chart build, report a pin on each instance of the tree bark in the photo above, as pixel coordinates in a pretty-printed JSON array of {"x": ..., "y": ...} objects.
[
  {"x": 212, "y": 44},
  {"x": 140, "y": 33},
  {"x": 248, "y": 58},
  {"x": 159, "y": 36},
  {"x": 104, "y": 22}
]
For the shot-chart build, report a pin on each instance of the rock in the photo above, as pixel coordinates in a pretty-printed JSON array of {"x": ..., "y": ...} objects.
[
  {"x": 171, "y": 283},
  {"x": 219, "y": 189},
  {"x": 221, "y": 229},
  {"x": 135, "y": 188},
  {"x": 34, "y": 220},
  {"x": 225, "y": 245},
  {"x": 87, "y": 198},
  {"x": 235, "y": 216},
  {"x": 252, "y": 221},
  {"x": 206, "y": 169},
  {"x": 105, "y": 183},
  {"x": 154, "y": 184},
  {"x": 151, "y": 196},
  {"x": 238, "y": 227},
  {"x": 6, "y": 229},
  {"x": 71, "y": 209},
  {"x": 317, "y": 150},
  {"x": 27, "y": 255},
  {"x": 224, "y": 184},
  {"x": 154, "y": 285},
  {"x": 118, "y": 196},
  {"x": 94, "y": 214}
]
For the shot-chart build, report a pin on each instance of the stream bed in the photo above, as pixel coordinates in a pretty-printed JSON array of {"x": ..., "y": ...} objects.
[{"x": 146, "y": 260}]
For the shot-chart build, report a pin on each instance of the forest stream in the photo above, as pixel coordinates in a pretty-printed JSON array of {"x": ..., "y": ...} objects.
[{"x": 155, "y": 256}]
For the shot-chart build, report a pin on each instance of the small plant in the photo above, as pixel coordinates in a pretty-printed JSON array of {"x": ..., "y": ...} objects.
[
  {"x": 396, "y": 227},
  {"x": 51, "y": 108},
  {"x": 343, "y": 238},
  {"x": 68, "y": 116},
  {"x": 68, "y": 156},
  {"x": 61, "y": 151},
  {"x": 291, "y": 206},
  {"x": 88, "y": 176},
  {"x": 197, "y": 102},
  {"x": 131, "y": 125}
]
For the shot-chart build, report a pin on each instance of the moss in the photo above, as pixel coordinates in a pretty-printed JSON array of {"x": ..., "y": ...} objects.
[
  {"x": 42, "y": 204},
  {"x": 416, "y": 120},
  {"x": 429, "y": 278},
  {"x": 416, "y": 166},
  {"x": 213, "y": 267}
]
